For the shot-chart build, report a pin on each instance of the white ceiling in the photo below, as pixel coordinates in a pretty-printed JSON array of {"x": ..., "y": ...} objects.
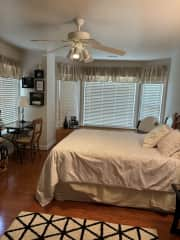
[{"x": 146, "y": 29}]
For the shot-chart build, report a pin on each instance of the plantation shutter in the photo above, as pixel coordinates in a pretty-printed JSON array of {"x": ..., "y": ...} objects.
[
  {"x": 151, "y": 100},
  {"x": 8, "y": 99},
  {"x": 109, "y": 104}
]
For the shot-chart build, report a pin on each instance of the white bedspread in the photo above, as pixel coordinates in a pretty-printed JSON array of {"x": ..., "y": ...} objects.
[{"x": 109, "y": 158}]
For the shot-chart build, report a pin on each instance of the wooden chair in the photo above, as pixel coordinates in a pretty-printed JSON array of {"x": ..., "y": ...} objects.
[
  {"x": 30, "y": 140},
  {"x": 176, "y": 121},
  {"x": 3, "y": 158}
]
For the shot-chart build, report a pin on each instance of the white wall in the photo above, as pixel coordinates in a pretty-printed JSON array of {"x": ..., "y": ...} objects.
[
  {"x": 11, "y": 51},
  {"x": 173, "y": 93},
  {"x": 30, "y": 62},
  {"x": 51, "y": 100}
]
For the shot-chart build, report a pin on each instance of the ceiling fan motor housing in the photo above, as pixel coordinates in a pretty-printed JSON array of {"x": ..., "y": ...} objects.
[{"x": 77, "y": 36}]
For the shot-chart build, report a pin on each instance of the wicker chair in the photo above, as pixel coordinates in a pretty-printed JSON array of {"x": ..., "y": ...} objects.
[{"x": 30, "y": 140}]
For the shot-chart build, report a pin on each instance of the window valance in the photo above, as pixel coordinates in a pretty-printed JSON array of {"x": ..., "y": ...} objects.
[
  {"x": 155, "y": 74},
  {"x": 69, "y": 72},
  {"x": 112, "y": 74},
  {"x": 9, "y": 68},
  {"x": 144, "y": 73}
]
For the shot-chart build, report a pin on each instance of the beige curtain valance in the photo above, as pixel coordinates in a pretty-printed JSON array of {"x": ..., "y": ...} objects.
[
  {"x": 9, "y": 68},
  {"x": 145, "y": 73},
  {"x": 113, "y": 74},
  {"x": 155, "y": 74},
  {"x": 69, "y": 72}
]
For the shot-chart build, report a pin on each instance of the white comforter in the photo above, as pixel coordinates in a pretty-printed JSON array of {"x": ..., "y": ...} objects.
[{"x": 109, "y": 158}]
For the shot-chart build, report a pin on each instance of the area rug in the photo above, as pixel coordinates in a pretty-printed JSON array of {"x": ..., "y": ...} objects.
[{"x": 31, "y": 225}]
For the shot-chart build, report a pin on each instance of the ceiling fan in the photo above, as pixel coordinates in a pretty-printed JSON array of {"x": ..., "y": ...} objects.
[{"x": 79, "y": 42}]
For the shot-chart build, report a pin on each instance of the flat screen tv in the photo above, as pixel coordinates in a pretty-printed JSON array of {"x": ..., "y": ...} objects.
[{"x": 27, "y": 82}]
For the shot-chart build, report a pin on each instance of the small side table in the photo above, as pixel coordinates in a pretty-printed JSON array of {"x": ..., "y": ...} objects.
[{"x": 174, "y": 227}]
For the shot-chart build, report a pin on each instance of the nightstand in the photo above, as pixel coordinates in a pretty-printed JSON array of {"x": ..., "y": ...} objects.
[
  {"x": 174, "y": 227},
  {"x": 62, "y": 133}
]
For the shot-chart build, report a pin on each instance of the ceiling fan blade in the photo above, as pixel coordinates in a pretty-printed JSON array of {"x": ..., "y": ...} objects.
[
  {"x": 55, "y": 49},
  {"x": 97, "y": 45},
  {"x": 44, "y": 40}
]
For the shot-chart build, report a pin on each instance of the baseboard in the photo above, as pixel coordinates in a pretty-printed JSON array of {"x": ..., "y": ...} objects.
[{"x": 48, "y": 146}]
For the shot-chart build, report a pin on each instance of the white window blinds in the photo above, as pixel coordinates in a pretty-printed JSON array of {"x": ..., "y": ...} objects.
[
  {"x": 8, "y": 99},
  {"x": 109, "y": 104},
  {"x": 151, "y": 100}
]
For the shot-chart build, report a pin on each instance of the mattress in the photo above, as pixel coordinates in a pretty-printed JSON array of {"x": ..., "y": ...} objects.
[{"x": 106, "y": 159}]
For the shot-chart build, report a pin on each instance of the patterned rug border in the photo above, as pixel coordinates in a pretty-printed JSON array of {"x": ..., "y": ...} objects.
[{"x": 35, "y": 225}]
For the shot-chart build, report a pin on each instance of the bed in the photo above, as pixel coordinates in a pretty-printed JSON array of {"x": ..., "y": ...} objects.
[{"x": 109, "y": 167}]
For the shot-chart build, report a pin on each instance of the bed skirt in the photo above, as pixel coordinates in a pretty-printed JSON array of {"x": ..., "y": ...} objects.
[{"x": 153, "y": 200}]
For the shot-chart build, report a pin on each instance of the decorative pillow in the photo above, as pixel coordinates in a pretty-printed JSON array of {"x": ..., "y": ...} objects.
[
  {"x": 170, "y": 144},
  {"x": 152, "y": 138},
  {"x": 147, "y": 124}
]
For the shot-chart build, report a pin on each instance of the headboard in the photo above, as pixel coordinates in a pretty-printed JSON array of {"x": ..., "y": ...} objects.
[{"x": 176, "y": 121}]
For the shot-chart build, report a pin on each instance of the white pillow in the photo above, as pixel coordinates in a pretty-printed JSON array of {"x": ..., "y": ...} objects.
[
  {"x": 152, "y": 138},
  {"x": 170, "y": 144}
]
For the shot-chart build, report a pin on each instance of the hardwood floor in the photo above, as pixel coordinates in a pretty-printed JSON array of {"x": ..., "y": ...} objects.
[{"x": 18, "y": 185}]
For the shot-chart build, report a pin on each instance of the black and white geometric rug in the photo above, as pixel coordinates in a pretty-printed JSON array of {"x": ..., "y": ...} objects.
[{"x": 30, "y": 225}]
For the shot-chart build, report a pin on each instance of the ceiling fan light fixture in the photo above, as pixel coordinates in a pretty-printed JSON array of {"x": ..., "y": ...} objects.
[
  {"x": 86, "y": 56},
  {"x": 76, "y": 53},
  {"x": 70, "y": 54},
  {"x": 76, "y": 56},
  {"x": 90, "y": 59},
  {"x": 79, "y": 40}
]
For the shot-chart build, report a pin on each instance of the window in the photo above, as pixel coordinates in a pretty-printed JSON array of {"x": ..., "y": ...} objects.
[
  {"x": 151, "y": 100},
  {"x": 109, "y": 104},
  {"x": 113, "y": 104},
  {"x": 68, "y": 95},
  {"x": 8, "y": 99}
]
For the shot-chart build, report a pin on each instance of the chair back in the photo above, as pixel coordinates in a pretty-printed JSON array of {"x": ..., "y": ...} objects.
[
  {"x": 176, "y": 121},
  {"x": 3, "y": 158},
  {"x": 37, "y": 130}
]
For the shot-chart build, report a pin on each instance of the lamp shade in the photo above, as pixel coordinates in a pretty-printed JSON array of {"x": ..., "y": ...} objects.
[{"x": 23, "y": 101}]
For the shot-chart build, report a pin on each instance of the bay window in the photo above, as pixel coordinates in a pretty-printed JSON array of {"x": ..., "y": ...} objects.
[{"x": 111, "y": 96}]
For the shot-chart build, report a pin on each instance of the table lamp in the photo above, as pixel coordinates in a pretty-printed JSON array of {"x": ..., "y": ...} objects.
[{"x": 23, "y": 102}]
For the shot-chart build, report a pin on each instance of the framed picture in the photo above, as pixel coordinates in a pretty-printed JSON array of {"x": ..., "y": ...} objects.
[
  {"x": 39, "y": 85},
  {"x": 38, "y": 73},
  {"x": 36, "y": 98},
  {"x": 27, "y": 82}
]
